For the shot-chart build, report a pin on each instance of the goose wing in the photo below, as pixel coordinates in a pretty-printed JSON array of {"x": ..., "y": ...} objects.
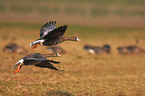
[
  {"x": 33, "y": 59},
  {"x": 47, "y": 64},
  {"x": 47, "y": 28},
  {"x": 56, "y": 32},
  {"x": 52, "y": 61}
]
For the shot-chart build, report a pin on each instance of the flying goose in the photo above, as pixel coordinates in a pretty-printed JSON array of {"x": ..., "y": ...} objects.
[
  {"x": 50, "y": 35},
  {"x": 38, "y": 60}
]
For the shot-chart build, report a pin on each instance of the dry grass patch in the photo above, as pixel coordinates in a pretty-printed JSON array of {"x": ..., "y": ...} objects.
[{"x": 85, "y": 74}]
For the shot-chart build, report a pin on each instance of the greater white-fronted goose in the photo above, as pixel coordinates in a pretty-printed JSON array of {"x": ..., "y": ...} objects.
[
  {"x": 97, "y": 49},
  {"x": 56, "y": 49},
  {"x": 89, "y": 48},
  {"x": 122, "y": 50},
  {"x": 49, "y": 35},
  {"x": 131, "y": 49},
  {"x": 38, "y": 60},
  {"x": 14, "y": 48},
  {"x": 107, "y": 48}
]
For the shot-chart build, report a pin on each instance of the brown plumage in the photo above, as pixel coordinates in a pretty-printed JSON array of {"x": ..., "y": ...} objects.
[
  {"x": 97, "y": 49},
  {"x": 14, "y": 48},
  {"x": 49, "y": 35},
  {"x": 38, "y": 60},
  {"x": 131, "y": 49}
]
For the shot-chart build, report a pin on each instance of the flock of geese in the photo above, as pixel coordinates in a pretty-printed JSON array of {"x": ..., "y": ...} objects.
[
  {"x": 51, "y": 36},
  {"x": 131, "y": 49}
]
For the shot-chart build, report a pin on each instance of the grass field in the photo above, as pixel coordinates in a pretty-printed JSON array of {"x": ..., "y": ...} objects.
[{"x": 85, "y": 74}]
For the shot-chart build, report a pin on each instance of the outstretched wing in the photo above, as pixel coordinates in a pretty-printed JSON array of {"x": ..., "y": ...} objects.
[
  {"x": 46, "y": 28},
  {"x": 56, "y": 32},
  {"x": 47, "y": 64},
  {"x": 55, "y": 62},
  {"x": 33, "y": 59},
  {"x": 34, "y": 56}
]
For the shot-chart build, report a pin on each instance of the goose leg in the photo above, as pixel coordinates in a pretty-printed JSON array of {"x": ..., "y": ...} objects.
[
  {"x": 19, "y": 67},
  {"x": 35, "y": 46}
]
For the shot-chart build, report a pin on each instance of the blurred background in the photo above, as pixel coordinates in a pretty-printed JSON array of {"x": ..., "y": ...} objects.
[
  {"x": 130, "y": 13},
  {"x": 117, "y": 23}
]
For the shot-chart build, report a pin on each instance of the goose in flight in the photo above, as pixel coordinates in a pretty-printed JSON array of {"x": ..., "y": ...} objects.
[
  {"x": 50, "y": 35},
  {"x": 38, "y": 60}
]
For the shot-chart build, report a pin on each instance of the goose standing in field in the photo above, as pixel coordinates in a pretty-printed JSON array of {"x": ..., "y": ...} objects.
[
  {"x": 38, "y": 60},
  {"x": 97, "y": 49},
  {"x": 132, "y": 49},
  {"x": 14, "y": 48},
  {"x": 122, "y": 50},
  {"x": 107, "y": 48},
  {"x": 104, "y": 49},
  {"x": 49, "y": 35},
  {"x": 129, "y": 49},
  {"x": 56, "y": 49},
  {"x": 89, "y": 48}
]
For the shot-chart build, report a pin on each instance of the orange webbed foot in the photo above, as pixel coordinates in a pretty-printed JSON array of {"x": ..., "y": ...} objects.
[{"x": 19, "y": 67}]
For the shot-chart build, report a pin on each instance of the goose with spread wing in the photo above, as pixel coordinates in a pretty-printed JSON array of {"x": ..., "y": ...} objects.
[
  {"x": 50, "y": 35},
  {"x": 38, "y": 60}
]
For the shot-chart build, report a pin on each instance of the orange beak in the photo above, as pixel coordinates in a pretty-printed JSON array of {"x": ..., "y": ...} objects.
[
  {"x": 19, "y": 67},
  {"x": 36, "y": 46}
]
